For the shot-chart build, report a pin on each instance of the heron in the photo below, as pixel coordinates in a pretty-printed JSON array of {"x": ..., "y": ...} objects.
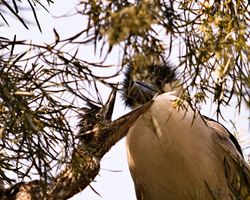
[{"x": 175, "y": 153}]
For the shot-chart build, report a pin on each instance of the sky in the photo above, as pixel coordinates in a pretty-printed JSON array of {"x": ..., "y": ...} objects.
[{"x": 114, "y": 181}]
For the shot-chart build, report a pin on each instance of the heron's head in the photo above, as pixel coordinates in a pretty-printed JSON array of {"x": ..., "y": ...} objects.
[{"x": 141, "y": 86}]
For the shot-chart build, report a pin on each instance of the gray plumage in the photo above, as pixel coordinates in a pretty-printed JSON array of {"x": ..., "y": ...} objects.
[{"x": 174, "y": 156}]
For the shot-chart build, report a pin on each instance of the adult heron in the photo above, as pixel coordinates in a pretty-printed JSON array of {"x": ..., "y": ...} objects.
[{"x": 174, "y": 153}]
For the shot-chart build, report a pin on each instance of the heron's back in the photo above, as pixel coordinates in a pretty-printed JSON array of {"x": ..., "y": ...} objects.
[{"x": 174, "y": 156}]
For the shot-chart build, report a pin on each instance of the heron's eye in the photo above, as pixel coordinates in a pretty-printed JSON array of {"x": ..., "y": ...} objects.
[{"x": 159, "y": 83}]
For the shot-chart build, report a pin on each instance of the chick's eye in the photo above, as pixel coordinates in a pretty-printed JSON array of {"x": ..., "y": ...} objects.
[{"x": 98, "y": 115}]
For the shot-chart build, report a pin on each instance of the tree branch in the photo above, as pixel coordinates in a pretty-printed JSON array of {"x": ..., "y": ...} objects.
[{"x": 85, "y": 162}]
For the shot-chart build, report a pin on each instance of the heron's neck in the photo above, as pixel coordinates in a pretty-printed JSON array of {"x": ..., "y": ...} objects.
[{"x": 175, "y": 86}]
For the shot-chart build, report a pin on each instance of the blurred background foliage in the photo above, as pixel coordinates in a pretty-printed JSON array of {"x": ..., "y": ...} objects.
[{"x": 42, "y": 86}]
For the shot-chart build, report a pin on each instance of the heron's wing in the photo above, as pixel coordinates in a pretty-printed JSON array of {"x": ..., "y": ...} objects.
[
  {"x": 223, "y": 130},
  {"x": 237, "y": 171},
  {"x": 138, "y": 188}
]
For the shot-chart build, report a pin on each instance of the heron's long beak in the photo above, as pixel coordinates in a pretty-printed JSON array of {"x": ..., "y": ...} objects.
[
  {"x": 145, "y": 88},
  {"x": 141, "y": 92}
]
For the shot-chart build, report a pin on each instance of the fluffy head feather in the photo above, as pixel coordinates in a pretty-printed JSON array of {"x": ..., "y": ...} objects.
[{"x": 140, "y": 86}]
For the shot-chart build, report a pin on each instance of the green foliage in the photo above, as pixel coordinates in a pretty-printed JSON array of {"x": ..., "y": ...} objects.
[
  {"x": 130, "y": 24},
  {"x": 36, "y": 84},
  {"x": 213, "y": 39},
  {"x": 42, "y": 90}
]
